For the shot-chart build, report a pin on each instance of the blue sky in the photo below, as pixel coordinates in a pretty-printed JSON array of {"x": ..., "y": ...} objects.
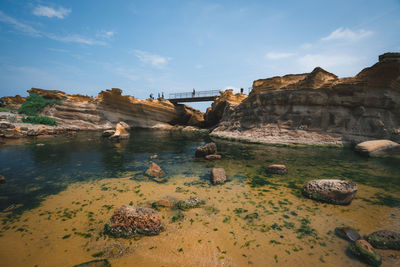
[{"x": 174, "y": 46}]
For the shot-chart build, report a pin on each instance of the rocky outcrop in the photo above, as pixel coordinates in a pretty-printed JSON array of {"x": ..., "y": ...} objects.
[
  {"x": 319, "y": 108},
  {"x": 331, "y": 191},
  {"x": 222, "y": 106},
  {"x": 121, "y": 131},
  {"x": 378, "y": 148},
  {"x": 366, "y": 252},
  {"x": 207, "y": 149},
  {"x": 12, "y": 101},
  {"x": 218, "y": 176},
  {"x": 129, "y": 221},
  {"x": 385, "y": 239}
]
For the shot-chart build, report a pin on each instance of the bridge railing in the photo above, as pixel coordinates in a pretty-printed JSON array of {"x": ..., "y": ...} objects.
[{"x": 194, "y": 95}]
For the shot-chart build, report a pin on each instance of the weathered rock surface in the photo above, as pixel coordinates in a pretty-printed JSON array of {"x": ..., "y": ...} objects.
[
  {"x": 218, "y": 176},
  {"x": 156, "y": 173},
  {"x": 347, "y": 233},
  {"x": 162, "y": 203},
  {"x": 338, "y": 192},
  {"x": 121, "y": 131},
  {"x": 95, "y": 263},
  {"x": 128, "y": 221},
  {"x": 190, "y": 203},
  {"x": 108, "y": 133},
  {"x": 222, "y": 105},
  {"x": 385, "y": 239},
  {"x": 366, "y": 252},
  {"x": 207, "y": 149},
  {"x": 276, "y": 169},
  {"x": 213, "y": 157},
  {"x": 319, "y": 108},
  {"x": 378, "y": 148}
]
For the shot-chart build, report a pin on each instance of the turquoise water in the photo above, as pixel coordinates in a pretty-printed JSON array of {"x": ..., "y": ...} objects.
[{"x": 34, "y": 172}]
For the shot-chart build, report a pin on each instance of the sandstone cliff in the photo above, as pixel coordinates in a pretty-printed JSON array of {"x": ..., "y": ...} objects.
[{"x": 320, "y": 108}]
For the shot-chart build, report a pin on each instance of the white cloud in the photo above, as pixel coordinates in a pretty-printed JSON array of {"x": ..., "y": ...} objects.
[
  {"x": 50, "y": 12},
  {"x": 58, "y": 50},
  {"x": 347, "y": 35},
  {"x": 153, "y": 59},
  {"x": 19, "y": 25},
  {"x": 29, "y": 30},
  {"x": 273, "y": 55},
  {"x": 105, "y": 34}
]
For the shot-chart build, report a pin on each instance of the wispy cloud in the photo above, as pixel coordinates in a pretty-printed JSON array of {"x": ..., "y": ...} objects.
[
  {"x": 153, "y": 59},
  {"x": 346, "y": 34},
  {"x": 273, "y": 55},
  {"x": 27, "y": 29},
  {"x": 45, "y": 11},
  {"x": 58, "y": 50},
  {"x": 105, "y": 34}
]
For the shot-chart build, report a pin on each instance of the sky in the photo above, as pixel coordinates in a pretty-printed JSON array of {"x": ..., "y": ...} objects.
[{"x": 166, "y": 46}]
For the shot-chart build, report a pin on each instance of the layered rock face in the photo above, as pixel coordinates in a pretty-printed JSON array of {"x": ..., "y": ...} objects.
[
  {"x": 79, "y": 112},
  {"x": 319, "y": 108}
]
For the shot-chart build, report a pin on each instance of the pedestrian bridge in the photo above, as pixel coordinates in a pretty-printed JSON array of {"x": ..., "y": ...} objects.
[{"x": 196, "y": 96}]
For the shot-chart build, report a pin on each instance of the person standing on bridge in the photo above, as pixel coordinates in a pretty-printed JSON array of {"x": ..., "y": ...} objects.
[
  {"x": 162, "y": 95},
  {"x": 193, "y": 93}
]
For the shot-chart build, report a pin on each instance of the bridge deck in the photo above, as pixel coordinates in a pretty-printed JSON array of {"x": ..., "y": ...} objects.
[{"x": 194, "y": 96}]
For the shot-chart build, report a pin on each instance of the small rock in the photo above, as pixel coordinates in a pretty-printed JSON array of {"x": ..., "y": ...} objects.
[
  {"x": 72, "y": 133},
  {"x": 338, "y": 192},
  {"x": 40, "y": 144},
  {"x": 190, "y": 203},
  {"x": 95, "y": 263},
  {"x": 108, "y": 133},
  {"x": 153, "y": 156},
  {"x": 207, "y": 149},
  {"x": 347, "y": 233},
  {"x": 46, "y": 136},
  {"x": 213, "y": 157},
  {"x": 2, "y": 179},
  {"x": 155, "y": 172},
  {"x": 362, "y": 249},
  {"x": 162, "y": 204},
  {"x": 218, "y": 176},
  {"x": 378, "y": 148},
  {"x": 385, "y": 239},
  {"x": 276, "y": 169},
  {"x": 121, "y": 131},
  {"x": 129, "y": 221}
]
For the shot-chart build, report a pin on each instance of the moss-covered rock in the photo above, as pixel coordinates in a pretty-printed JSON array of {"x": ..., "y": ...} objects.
[
  {"x": 362, "y": 249},
  {"x": 190, "y": 203},
  {"x": 385, "y": 239},
  {"x": 347, "y": 233},
  {"x": 337, "y": 192},
  {"x": 95, "y": 263}
]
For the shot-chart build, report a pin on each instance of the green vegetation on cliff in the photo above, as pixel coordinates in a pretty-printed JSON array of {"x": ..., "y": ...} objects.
[
  {"x": 34, "y": 104},
  {"x": 40, "y": 120}
]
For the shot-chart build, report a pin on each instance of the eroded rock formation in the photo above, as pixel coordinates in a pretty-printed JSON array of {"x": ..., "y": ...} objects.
[{"x": 320, "y": 108}]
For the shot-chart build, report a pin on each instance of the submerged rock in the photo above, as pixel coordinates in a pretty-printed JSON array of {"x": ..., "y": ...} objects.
[
  {"x": 121, "y": 131},
  {"x": 213, "y": 157},
  {"x": 378, "y": 148},
  {"x": 218, "y": 176},
  {"x": 190, "y": 203},
  {"x": 129, "y": 221},
  {"x": 2, "y": 179},
  {"x": 162, "y": 203},
  {"x": 385, "y": 239},
  {"x": 154, "y": 156},
  {"x": 347, "y": 233},
  {"x": 276, "y": 169},
  {"x": 338, "y": 192},
  {"x": 156, "y": 173},
  {"x": 362, "y": 249},
  {"x": 95, "y": 263},
  {"x": 108, "y": 133},
  {"x": 207, "y": 149}
]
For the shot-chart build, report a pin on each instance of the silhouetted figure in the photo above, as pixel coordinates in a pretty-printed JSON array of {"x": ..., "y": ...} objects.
[
  {"x": 241, "y": 91},
  {"x": 162, "y": 95},
  {"x": 151, "y": 96},
  {"x": 193, "y": 93}
]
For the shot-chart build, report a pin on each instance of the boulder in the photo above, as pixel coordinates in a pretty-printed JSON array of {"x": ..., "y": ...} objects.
[
  {"x": 190, "y": 203},
  {"x": 121, "y": 131},
  {"x": 207, "y": 149},
  {"x": 362, "y": 249},
  {"x": 378, "y": 148},
  {"x": 154, "y": 156},
  {"x": 276, "y": 169},
  {"x": 108, "y": 133},
  {"x": 2, "y": 179},
  {"x": 128, "y": 221},
  {"x": 6, "y": 125},
  {"x": 338, "y": 192},
  {"x": 347, "y": 233},
  {"x": 385, "y": 239},
  {"x": 218, "y": 176},
  {"x": 95, "y": 263},
  {"x": 213, "y": 157},
  {"x": 154, "y": 171}
]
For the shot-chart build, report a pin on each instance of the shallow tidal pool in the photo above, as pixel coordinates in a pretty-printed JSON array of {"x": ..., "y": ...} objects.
[{"x": 64, "y": 191}]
